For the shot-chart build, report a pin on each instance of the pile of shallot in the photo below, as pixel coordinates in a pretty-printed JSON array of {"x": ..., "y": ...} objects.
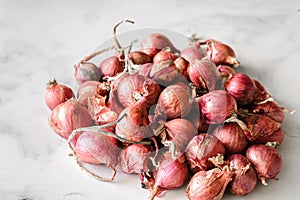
[{"x": 175, "y": 117}]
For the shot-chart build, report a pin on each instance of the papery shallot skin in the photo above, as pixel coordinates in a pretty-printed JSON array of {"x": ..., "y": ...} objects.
[
  {"x": 164, "y": 56},
  {"x": 203, "y": 74},
  {"x": 260, "y": 126},
  {"x": 86, "y": 90},
  {"x": 97, "y": 148},
  {"x": 87, "y": 72},
  {"x": 180, "y": 131},
  {"x": 208, "y": 185},
  {"x": 192, "y": 53},
  {"x": 220, "y": 53},
  {"x": 69, "y": 116},
  {"x": 266, "y": 160},
  {"x": 111, "y": 66},
  {"x": 131, "y": 88},
  {"x": 216, "y": 106},
  {"x": 139, "y": 58},
  {"x": 171, "y": 174},
  {"x": 135, "y": 159},
  {"x": 244, "y": 179},
  {"x": 176, "y": 100},
  {"x": 134, "y": 122},
  {"x": 276, "y": 137},
  {"x": 232, "y": 136},
  {"x": 242, "y": 88},
  {"x": 200, "y": 149},
  {"x": 57, "y": 94},
  {"x": 155, "y": 42},
  {"x": 270, "y": 109},
  {"x": 225, "y": 71}
]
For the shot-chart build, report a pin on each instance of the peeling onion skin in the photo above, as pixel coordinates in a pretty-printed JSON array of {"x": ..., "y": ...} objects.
[
  {"x": 232, "y": 136},
  {"x": 208, "y": 187},
  {"x": 242, "y": 88},
  {"x": 216, "y": 106},
  {"x": 86, "y": 90},
  {"x": 260, "y": 126},
  {"x": 266, "y": 160},
  {"x": 134, "y": 126},
  {"x": 270, "y": 109},
  {"x": 69, "y": 116},
  {"x": 131, "y": 88},
  {"x": 244, "y": 179},
  {"x": 200, "y": 149},
  {"x": 135, "y": 159},
  {"x": 203, "y": 74},
  {"x": 57, "y": 94},
  {"x": 278, "y": 137},
  {"x": 96, "y": 148}
]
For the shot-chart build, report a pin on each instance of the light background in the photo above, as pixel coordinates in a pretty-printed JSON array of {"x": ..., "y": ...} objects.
[{"x": 40, "y": 40}]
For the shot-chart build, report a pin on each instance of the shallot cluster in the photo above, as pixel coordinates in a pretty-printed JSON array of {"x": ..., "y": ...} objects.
[{"x": 171, "y": 116}]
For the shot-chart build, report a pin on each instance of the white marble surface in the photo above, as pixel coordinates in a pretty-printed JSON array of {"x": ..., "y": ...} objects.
[{"x": 40, "y": 40}]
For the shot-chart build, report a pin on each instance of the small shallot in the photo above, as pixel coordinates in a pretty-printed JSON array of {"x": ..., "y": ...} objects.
[
  {"x": 134, "y": 122},
  {"x": 154, "y": 43},
  {"x": 232, "y": 136},
  {"x": 97, "y": 148},
  {"x": 244, "y": 179},
  {"x": 57, "y": 94},
  {"x": 86, "y": 71},
  {"x": 200, "y": 149},
  {"x": 176, "y": 100},
  {"x": 203, "y": 74},
  {"x": 220, "y": 53},
  {"x": 208, "y": 185},
  {"x": 111, "y": 66},
  {"x": 217, "y": 106},
  {"x": 69, "y": 116},
  {"x": 135, "y": 159},
  {"x": 170, "y": 174},
  {"x": 241, "y": 87},
  {"x": 266, "y": 160}
]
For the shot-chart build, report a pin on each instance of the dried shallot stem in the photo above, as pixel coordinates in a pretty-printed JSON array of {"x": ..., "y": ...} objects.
[
  {"x": 95, "y": 176},
  {"x": 234, "y": 118},
  {"x": 89, "y": 57},
  {"x": 117, "y": 43}
]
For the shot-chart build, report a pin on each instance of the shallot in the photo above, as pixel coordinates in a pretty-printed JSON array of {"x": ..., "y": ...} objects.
[
  {"x": 57, "y": 94},
  {"x": 176, "y": 100},
  {"x": 69, "y": 116},
  {"x": 241, "y": 87},
  {"x": 244, "y": 179},
  {"x": 203, "y": 74},
  {"x": 154, "y": 43},
  {"x": 266, "y": 160},
  {"x": 220, "y": 53},
  {"x": 217, "y": 106},
  {"x": 208, "y": 185},
  {"x": 232, "y": 136},
  {"x": 87, "y": 71},
  {"x": 200, "y": 149}
]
